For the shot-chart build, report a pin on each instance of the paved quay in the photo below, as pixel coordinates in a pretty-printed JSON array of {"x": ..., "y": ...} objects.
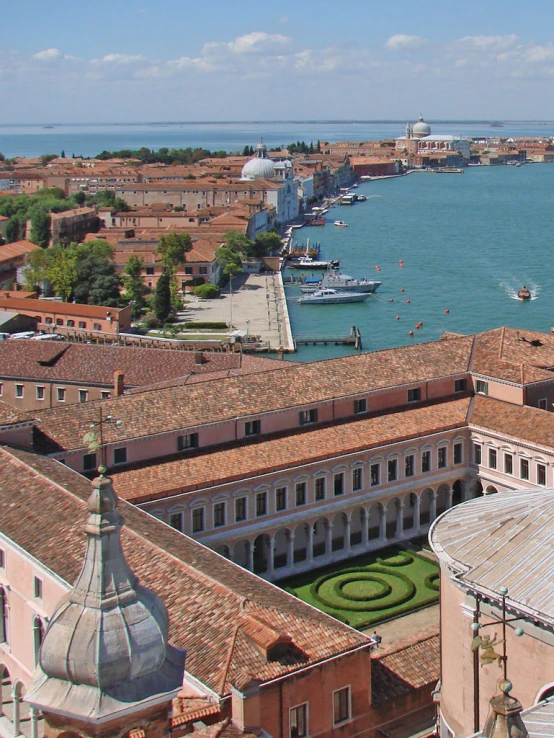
[{"x": 257, "y": 305}]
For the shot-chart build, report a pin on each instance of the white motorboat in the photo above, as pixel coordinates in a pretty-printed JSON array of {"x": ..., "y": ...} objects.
[
  {"x": 336, "y": 281},
  {"x": 340, "y": 224},
  {"x": 332, "y": 297},
  {"x": 362, "y": 198},
  {"x": 307, "y": 263}
]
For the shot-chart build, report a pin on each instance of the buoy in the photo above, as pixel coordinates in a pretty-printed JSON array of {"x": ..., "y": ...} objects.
[
  {"x": 408, "y": 301},
  {"x": 447, "y": 310},
  {"x": 401, "y": 263},
  {"x": 417, "y": 326},
  {"x": 420, "y": 323},
  {"x": 378, "y": 268},
  {"x": 402, "y": 289},
  {"x": 391, "y": 300},
  {"x": 397, "y": 317},
  {"x": 410, "y": 333}
]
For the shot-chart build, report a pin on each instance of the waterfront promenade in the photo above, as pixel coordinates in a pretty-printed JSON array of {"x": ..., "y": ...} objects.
[{"x": 257, "y": 306}]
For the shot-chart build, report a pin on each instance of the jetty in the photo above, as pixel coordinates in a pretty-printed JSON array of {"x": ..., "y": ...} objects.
[{"x": 354, "y": 338}]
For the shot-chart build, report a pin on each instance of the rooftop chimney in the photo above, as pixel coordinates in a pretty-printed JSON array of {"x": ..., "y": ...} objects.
[{"x": 118, "y": 383}]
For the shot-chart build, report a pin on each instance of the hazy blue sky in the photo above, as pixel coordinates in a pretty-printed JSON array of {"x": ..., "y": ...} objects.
[{"x": 121, "y": 60}]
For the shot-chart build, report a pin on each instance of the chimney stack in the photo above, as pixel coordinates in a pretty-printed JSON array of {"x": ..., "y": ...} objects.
[{"x": 118, "y": 383}]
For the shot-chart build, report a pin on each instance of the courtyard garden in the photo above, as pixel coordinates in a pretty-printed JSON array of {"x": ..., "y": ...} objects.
[{"x": 371, "y": 588}]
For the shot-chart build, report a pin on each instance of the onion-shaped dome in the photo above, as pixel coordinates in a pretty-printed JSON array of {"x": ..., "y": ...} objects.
[
  {"x": 108, "y": 630},
  {"x": 421, "y": 128},
  {"x": 261, "y": 166}
]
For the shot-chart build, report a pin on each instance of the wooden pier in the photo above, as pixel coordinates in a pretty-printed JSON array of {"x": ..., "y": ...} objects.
[{"x": 353, "y": 339}]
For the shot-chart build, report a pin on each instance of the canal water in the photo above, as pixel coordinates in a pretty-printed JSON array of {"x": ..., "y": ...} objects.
[{"x": 467, "y": 243}]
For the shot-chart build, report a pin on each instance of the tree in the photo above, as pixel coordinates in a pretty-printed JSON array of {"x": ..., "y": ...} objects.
[
  {"x": 79, "y": 198},
  {"x": 267, "y": 243},
  {"x": 229, "y": 261},
  {"x": 40, "y": 227},
  {"x": 206, "y": 291},
  {"x": 35, "y": 269},
  {"x": 15, "y": 229},
  {"x": 135, "y": 289},
  {"x": 62, "y": 155},
  {"x": 120, "y": 205},
  {"x": 60, "y": 270},
  {"x": 162, "y": 298},
  {"x": 96, "y": 282},
  {"x": 173, "y": 248},
  {"x": 237, "y": 242}
]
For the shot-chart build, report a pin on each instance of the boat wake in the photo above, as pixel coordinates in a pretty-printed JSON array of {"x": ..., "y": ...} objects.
[{"x": 512, "y": 290}]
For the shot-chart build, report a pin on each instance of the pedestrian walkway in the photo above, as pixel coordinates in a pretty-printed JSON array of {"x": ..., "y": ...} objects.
[
  {"x": 407, "y": 625},
  {"x": 256, "y": 305}
]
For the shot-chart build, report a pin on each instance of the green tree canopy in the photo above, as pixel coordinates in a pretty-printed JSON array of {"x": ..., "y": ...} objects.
[
  {"x": 96, "y": 282},
  {"x": 60, "y": 270},
  {"x": 162, "y": 298},
  {"x": 40, "y": 226},
  {"x": 133, "y": 281},
  {"x": 173, "y": 248}
]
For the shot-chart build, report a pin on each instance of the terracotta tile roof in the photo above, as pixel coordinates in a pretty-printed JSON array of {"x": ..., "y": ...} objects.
[
  {"x": 411, "y": 664},
  {"x": 15, "y": 249},
  {"x": 516, "y": 421},
  {"x": 206, "y": 595},
  {"x": 303, "y": 384},
  {"x": 96, "y": 364},
  {"x": 149, "y": 480},
  {"x": 520, "y": 356},
  {"x": 59, "y": 308},
  {"x": 9, "y": 415},
  {"x": 187, "y": 710}
]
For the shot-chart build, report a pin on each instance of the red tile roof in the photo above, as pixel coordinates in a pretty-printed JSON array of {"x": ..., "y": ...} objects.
[{"x": 58, "y": 308}]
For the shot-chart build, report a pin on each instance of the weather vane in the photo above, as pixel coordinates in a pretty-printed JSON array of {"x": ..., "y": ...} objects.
[
  {"x": 487, "y": 644},
  {"x": 94, "y": 439}
]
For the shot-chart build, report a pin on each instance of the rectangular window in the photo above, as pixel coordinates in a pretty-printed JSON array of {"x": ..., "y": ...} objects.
[
  {"x": 40, "y": 393},
  {"x": 176, "y": 521},
  {"x": 338, "y": 484},
  {"x": 219, "y": 514},
  {"x": 240, "y": 509},
  {"x": 203, "y": 270},
  {"x": 59, "y": 321},
  {"x": 190, "y": 440},
  {"x": 524, "y": 468},
  {"x": 442, "y": 457},
  {"x": 38, "y": 588},
  {"x": 150, "y": 271},
  {"x": 60, "y": 394},
  {"x": 508, "y": 464},
  {"x": 356, "y": 479},
  {"x": 541, "y": 474},
  {"x": 298, "y": 721},
  {"x": 301, "y": 493},
  {"x": 281, "y": 499},
  {"x": 96, "y": 327},
  {"x": 19, "y": 390},
  {"x": 320, "y": 489},
  {"x": 392, "y": 470},
  {"x": 375, "y": 475},
  {"x": 198, "y": 520},
  {"x": 307, "y": 416},
  {"x": 542, "y": 404},
  {"x": 460, "y": 385},
  {"x": 188, "y": 270},
  {"x": 252, "y": 428},
  {"x": 482, "y": 387},
  {"x": 120, "y": 455},
  {"x": 492, "y": 458},
  {"x": 458, "y": 453},
  {"x": 409, "y": 466},
  {"x": 82, "y": 324},
  {"x": 104, "y": 395},
  {"x": 360, "y": 406},
  {"x": 414, "y": 395},
  {"x": 83, "y": 395},
  {"x": 341, "y": 705},
  {"x": 89, "y": 462},
  {"x": 261, "y": 504},
  {"x": 2, "y": 559},
  {"x": 1, "y": 389},
  {"x": 477, "y": 453},
  {"x": 425, "y": 462}
]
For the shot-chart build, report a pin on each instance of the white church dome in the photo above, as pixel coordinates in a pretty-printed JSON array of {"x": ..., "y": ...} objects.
[
  {"x": 261, "y": 166},
  {"x": 421, "y": 128}
]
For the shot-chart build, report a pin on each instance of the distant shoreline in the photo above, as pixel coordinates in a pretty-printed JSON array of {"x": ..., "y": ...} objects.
[{"x": 346, "y": 121}]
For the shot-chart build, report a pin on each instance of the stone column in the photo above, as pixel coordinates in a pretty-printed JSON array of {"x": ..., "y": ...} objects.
[
  {"x": 271, "y": 557},
  {"x": 310, "y": 543},
  {"x": 329, "y": 539},
  {"x": 417, "y": 511},
  {"x": 232, "y": 556},
  {"x": 399, "y": 517},
  {"x": 290, "y": 549},
  {"x": 365, "y": 526},
  {"x": 34, "y": 724},
  {"x": 449, "y": 498},
  {"x": 433, "y": 507},
  {"x": 250, "y": 556},
  {"x": 347, "y": 532},
  {"x": 16, "y": 712},
  {"x": 382, "y": 523}
]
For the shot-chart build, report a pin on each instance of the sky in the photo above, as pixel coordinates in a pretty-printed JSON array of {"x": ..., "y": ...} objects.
[{"x": 184, "y": 60}]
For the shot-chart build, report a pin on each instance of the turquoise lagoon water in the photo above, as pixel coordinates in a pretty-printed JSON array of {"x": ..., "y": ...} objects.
[{"x": 468, "y": 243}]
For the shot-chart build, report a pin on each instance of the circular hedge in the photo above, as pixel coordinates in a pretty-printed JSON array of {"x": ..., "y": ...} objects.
[
  {"x": 360, "y": 590},
  {"x": 400, "y": 559},
  {"x": 432, "y": 581}
]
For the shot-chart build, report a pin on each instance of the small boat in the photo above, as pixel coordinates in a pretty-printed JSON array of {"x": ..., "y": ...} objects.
[
  {"x": 362, "y": 198},
  {"x": 335, "y": 281},
  {"x": 308, "y": 263},
  {"x": 524, "y": 294},
  {"x": 340, "y": 224},
  {"x": 332, "y": 297}
]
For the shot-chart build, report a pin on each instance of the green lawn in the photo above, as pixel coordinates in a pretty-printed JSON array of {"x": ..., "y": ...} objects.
[{"x": 371, "y": 588}]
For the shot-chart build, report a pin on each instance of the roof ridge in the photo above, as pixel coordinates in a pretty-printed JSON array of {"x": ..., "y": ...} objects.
[{"x": 225, "y": 670}]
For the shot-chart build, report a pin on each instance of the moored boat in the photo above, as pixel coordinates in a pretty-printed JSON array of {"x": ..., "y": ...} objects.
[
  {"x": 332, "y": 297},
  {"x": 307, "y": 263},
  {"x": 340, "y": 224}
]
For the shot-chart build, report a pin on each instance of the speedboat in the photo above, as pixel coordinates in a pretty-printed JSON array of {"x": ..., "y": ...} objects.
[
  {"x": 332, "y": 297},
  {"x": 362, "y": 198},
  {"x": 524, "y": 293},
  {"x": 340, "y": 223},
  {"x": 307, "y": 263}
]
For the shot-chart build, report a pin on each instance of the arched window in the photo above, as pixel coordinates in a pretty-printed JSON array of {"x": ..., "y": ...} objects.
[
  {"x": 3, "y": 616},
  {"x": 38, "y": 636}
]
